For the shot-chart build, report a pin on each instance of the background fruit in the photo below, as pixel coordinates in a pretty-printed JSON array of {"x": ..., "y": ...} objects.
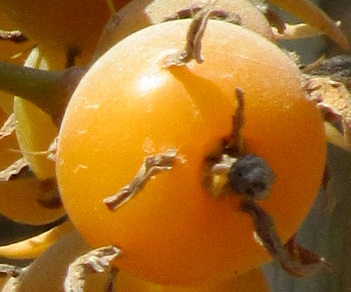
[
  {"x": 14, "y": 52},
  {"x": 62, "y": 25},
  {"x": 21, "y": 201}
]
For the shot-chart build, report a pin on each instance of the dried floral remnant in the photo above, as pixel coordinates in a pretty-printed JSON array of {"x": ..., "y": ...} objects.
[
  {"x": 52, "y": 150},
  {"x": 218, "y": 165},
  {"x": 251, "y": 175},
  {"x": 95, "y": 261},
  {"x": 235, "y": 142},
  {"x": 217, "y": 13},
  {"x": 246, "y": 174},
  {"x": 192, "y": 50},
  {"x": 10, "y": 270},
  {"x": 152, "y": 165},
  {"x": 334, "y": 101},
  {"x": 274, "y": 19},
  {"x": 16, "y": 170},
  {"x": 8, "y": 127},
  {"x": 311, "y": 262},
  {"x": 12, "y": 35},
  {"x": 296, "y": 31},
  {"x": 294, "y": 259}
]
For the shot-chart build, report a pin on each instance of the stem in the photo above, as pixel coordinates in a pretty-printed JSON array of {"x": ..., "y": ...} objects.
[{"x": 49, "y": 90}]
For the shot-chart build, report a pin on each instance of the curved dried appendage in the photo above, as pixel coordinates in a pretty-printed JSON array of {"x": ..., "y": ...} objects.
[
  {"x": 110, "y": 285},
  {"x": 18, "y": 169},
  {"x": 334, "y": 101},
  {"x": 293, "y": 258},
  {"x": 95, "y": 261},
  {"x": 51, "y": 152},
  {"x": 311, "y": 14},
  {"x": 311, "y": 263},
  {"x": 8, "y": 127},
  {"x": 10, "y": 270},
  {"x": 274, "y": 19},
  {"x": 217, "y": 13},
  {"x": 185, "y": 13},
  {"x": 12, "y": 35},
  {"x": 200, "y": 15},
  {"x": 14, "y": 276},
  {"x": 235, "y": 143},
  {"x": 152, "y": 165},
  {"x": 218, "y": 165},
  {"x": 192, "y": 50},
  {"x": 245, "y": 174}
]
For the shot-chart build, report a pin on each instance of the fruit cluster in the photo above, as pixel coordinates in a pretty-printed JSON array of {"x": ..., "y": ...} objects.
[{"x": 174, "y": 144}]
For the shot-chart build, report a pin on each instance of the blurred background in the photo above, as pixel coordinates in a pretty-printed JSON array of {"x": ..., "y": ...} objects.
[{"x": 327, "y": 232}]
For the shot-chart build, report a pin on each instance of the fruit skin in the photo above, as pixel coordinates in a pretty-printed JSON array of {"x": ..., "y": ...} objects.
[
  {"x": 128, "y": 106},
  {"x": 61, "y": 24},
  {"x": 252, "y": 281}
]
